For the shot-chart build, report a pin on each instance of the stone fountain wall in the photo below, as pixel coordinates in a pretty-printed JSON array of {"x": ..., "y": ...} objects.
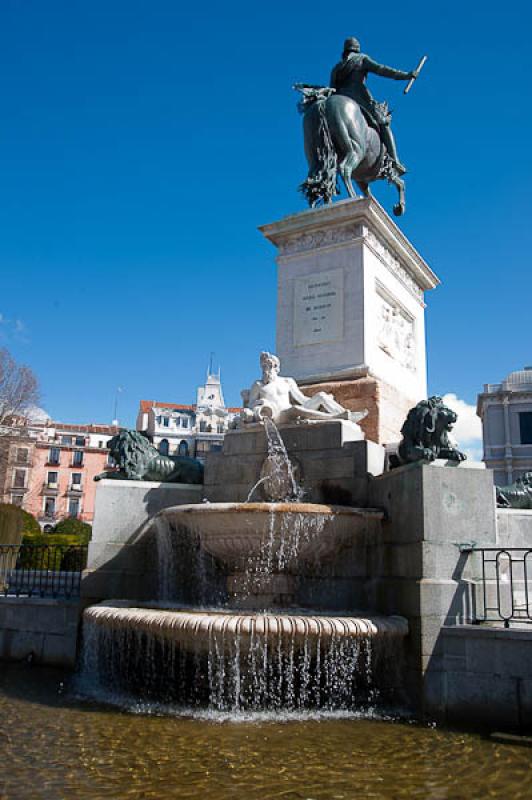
[{"x": 333, "y": 465}]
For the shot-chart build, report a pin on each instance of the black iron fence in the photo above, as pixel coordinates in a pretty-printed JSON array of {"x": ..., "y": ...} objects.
[
  {"x": 504, "y": 576},
  {"x": 35, "y": 570}
]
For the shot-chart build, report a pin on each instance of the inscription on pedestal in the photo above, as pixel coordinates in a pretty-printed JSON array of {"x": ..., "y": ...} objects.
[{"x": 319, "y": 308}]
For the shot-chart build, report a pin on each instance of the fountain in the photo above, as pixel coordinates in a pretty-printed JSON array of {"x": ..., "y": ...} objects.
[{"x": 232, "y": 627}]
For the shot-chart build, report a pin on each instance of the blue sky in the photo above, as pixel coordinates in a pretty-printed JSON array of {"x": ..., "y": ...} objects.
[{"x": 142, "y": 143}]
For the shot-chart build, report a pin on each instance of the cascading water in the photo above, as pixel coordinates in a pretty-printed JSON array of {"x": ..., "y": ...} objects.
[
  {"x": 246, "y": 662},
  {"x": 278, "y": 477},
  {"x": 225, "y": 630}
]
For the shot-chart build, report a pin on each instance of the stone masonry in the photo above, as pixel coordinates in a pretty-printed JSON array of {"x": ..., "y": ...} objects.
[{"x": 333, "y": 466}]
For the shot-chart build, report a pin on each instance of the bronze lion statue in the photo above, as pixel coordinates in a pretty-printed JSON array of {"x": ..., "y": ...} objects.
[
  {"x": 426, "y": 434},
  {"x": 138, "y": 460},
  {"x": 516, "y": 495}
]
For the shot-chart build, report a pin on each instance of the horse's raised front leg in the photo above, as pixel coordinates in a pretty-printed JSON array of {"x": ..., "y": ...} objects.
[
  {"x": 347, "y": 167},
  {"x": 399, "y": 208}
]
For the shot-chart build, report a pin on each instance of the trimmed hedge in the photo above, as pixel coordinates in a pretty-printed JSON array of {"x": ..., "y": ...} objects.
[
  {"x": 52, "y": 551},
  {"x": 74, "y": 527}
]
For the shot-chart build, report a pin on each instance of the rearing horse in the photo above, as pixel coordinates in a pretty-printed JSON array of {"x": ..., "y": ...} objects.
[{"x": 339, "y": 139}]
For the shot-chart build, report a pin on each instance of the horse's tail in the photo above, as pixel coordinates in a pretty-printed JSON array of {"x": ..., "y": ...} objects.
[{"x": 321, "y": 183}]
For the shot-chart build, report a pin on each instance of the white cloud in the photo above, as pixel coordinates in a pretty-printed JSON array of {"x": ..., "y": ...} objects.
[
  {"x": 468, "y": 428},
  {"x": 36, "y": 414}
]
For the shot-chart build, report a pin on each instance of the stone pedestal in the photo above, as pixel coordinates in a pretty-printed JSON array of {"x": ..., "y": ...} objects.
[
  {"x": 333, "y": 463},
  {"x": 386, "y": 406},
  {"x": 423, "y": 575},
  {"x": 351, "y": 306}
]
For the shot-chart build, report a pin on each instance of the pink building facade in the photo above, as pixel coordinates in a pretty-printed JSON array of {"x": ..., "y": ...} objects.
[{"x": 51, "y": 467}]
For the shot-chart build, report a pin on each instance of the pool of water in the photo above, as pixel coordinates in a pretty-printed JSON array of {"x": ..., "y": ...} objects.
[{"x": 55, "y": 745}]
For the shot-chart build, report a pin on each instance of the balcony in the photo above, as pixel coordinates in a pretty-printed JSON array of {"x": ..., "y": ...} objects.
[
  {"x": 48, "y": 517},
  {"x": 50, "y": 488},
  {"x": 75, "y": 488}
]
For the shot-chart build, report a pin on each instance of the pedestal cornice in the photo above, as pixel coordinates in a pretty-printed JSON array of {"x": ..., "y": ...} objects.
[{"x": 352, "y": 220}]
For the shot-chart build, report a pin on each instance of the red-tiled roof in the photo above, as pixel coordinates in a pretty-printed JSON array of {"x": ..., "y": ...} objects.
[
  {"x": 146, "y": 405},
  {"x": 92, "y": 427}
]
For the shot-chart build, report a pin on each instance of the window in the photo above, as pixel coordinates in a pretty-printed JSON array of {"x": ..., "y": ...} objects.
[
  {"x": 54, "y": 455},
  {"x": 163, "y": 447},
  {"x": 22, "y": 455},
  {"x": 184, "y": 422},
  {"x": 17, "y": 499},
  {"x": 178, "y": 422},
  {"x": 80, "y": 441},
  {"x": 52, "y": 479},
  {"x": 73, "y": 507},
  {"x": 77, "y": 458},
  {"x": 76, "y": 480},
  {"x": 66, "y": 439},
  {"x": 49, "y": 506},
  {"x": 19, "y": 479},
  {"x": 183, "y": 450},
  {"x": 202, "y": 447},
  {"x": 525, "y": 427},
  {"x": 166, "y": 421},
  {"x": 158, "y": 420},
  {"x": 220, "y": 427},
  {"x": 203, "y": 426},
  {"x": 100, "y": 443}
]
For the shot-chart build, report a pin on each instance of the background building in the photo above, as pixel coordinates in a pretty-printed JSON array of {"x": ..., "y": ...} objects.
[
  {"x": 188, "y": 430},
  {"x": 49, "y": 468},
  {"x": 506, "y": 413}
]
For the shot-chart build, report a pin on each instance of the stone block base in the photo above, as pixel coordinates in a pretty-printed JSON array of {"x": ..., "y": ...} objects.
[
  {"x": 40, "y": 628},
  {"x": 333, "y": 465},
  {"x": 387, "y": 407},
  {"x": 117, "y": 565}
]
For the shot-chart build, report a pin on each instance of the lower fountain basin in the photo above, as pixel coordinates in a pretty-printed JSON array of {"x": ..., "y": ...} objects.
[
  {"x": 237, "y": 661},
  {"x": 277, "y": 534},
  {"x": 197, "y": 629}
]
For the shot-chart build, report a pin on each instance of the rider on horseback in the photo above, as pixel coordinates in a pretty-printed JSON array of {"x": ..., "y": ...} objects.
[{"x": 349, "y": 78}]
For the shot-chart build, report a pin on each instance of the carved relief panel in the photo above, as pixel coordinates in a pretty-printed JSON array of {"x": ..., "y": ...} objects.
[{"x": 395, "y": 330}]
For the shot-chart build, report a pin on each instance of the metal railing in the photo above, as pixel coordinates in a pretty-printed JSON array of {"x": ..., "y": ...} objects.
[
  {"x": 34, "y": 570},
  {"x": 505, "y": 585}
]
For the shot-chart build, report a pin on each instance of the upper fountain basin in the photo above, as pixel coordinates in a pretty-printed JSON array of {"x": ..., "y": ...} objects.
[{"x": 278, "y": 534}]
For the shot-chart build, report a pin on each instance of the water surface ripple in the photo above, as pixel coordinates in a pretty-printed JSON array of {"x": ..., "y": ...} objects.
[{"x": 54, "y": 746}]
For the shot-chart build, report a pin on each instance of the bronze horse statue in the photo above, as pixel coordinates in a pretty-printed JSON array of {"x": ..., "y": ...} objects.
[{"x": 339, "y": 138}]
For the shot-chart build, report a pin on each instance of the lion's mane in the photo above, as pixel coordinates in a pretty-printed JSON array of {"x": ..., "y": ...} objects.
[{"x": 132, "y": 453}]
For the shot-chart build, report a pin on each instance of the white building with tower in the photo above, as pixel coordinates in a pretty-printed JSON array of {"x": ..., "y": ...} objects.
[
  {"x": 506, "y": 412},
  {"x": 188, "y": 430}
]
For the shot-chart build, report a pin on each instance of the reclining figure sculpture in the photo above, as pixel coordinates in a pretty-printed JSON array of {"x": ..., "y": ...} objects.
[{"x": 281, "y": 400}]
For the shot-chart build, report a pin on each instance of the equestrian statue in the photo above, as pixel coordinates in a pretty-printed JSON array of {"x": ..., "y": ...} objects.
[{"x": 348, "y": 132}]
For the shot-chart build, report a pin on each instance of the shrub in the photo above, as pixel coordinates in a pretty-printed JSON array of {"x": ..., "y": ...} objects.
[
  {"x": 74, "y": 527},
  {"x": 14, "y": 523},
  {"x": 30, "y": 523},
  {"x": 53, "y": 551}
]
